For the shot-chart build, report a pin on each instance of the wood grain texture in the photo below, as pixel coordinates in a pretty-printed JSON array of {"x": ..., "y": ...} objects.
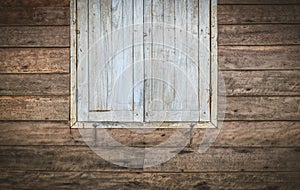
[
  {"x": 254, "y": 14},
  {"x": 279, "y": 34},
  {"x": 38, "y": 133},
  {"x": 34, "y": 3},
  {"x": 258, "y": 2},
  {"x": 34, "y": 16},
  {"x": 233, "y": 134},
  {"x": 82, "y": 158},
  {"x": 139, "y": 180},
  {"x": 263, "y": 108},
  {"x": 259, "y": 57},
  {"x": 34, "y": 84},
  {"x": 81, "y": 60},
  {"x": 206, "y": 63},
  {"x": 238, "y": 108},
  {"x": 34, "y": 60},
  {"x": 262, "y": 83},
  {"x": 34, "y": 108},
  {"x": 43, "y": 36},
  {"x": 98, "y": 67},
  {"x": 246, "y": 154}
]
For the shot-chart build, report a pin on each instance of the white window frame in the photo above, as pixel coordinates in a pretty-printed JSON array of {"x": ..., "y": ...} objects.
[{"x": 213, "y": 123}]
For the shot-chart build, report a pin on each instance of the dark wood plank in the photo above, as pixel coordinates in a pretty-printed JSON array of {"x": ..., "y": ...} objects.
[
  {"x": 262, "y": 108},
  {"x": 39, "y": 133},
  {"x": 34, "y": 108},
  {"x": 34, "y": 16},
  {"x": 275, "y": 34},
  {"x": 43, "y": 36},
  {"x": 256, "y": 2},
  {"x": 266, "y": 83},
  {"x": 247, "y": 14},
  {"x": 82, "y": 158},
  {"x": 234, "y": 134},
  {"x": 34, "y": 60},
  {"x": 259, "y": 134},
  {"x": 35, "y": 3},
  {"x": 258, "y": 57},
  {"x": 99, "y": 180},
  {"x": 34, "y": 84}
]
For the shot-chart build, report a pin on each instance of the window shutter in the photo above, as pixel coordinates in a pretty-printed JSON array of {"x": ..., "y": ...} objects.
[{"x": 143, "y": 60}]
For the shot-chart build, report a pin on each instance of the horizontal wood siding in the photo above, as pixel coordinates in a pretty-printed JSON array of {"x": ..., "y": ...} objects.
[
  {"x": 279, "y": 34},
  {"x": 34, "y": 16},
  {"x": 38, "y": 36},
  {"x": 257, "y": 148},
  {"x": 114, "y": 180},
  {"x": 34, "y": 60},
  {"x": 252, "y": 14},
  {"x": 259, "y": 57}
]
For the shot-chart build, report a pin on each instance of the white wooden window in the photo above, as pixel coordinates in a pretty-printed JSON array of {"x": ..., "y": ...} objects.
[{"x": 141, "y": 61}]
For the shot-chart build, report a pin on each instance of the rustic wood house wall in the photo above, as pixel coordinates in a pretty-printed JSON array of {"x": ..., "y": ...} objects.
[{"x": 258, "y": 147}]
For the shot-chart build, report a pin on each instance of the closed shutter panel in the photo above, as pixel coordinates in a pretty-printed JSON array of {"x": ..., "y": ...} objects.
[{"x": 143, "y": 60}]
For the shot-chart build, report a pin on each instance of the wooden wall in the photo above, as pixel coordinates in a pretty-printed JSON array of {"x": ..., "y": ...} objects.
[{"x": 258, "y": 147}]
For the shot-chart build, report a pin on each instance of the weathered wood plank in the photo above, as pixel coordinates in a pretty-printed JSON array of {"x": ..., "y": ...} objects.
[
  {"x": 255, "y": 2},
  {"x": 263, "y": 108},
  {"x": 82, "y": 58},
  {"x": 242, "y": 134},
  {"x": 169, "y": 54},
  {"x": 81, "y": 158},
  {"x": 121, "y": 82},
  {"x": 238, "y": 108},
  {"x": 36, "y": 84},
  {"x": 283, "y": 83},
  {"x": 125, "y": 79},
  {"x": 45, "y": 36},
  {"x": 34, "y": 16},
  {"x": 279, "y": 34},
  {"x": 97, "y": 55},
  {"x": 155, "y": 103},
  {"x": 34, "y": 108},
  {"x": 205, "y": 61},
  {"x": 34, "y": 3},
  {"x": 34, "y": 60},
  {"x": 99, "y": 180},
  {"x": 38, "y": 133},
  {"x": 138, "y": 61},
  {"x": 233, "y": 134},
  {"x": 258, "y": 57},
  {"x": 180, "y": 81},
  {"x": 244, "y": 14}
]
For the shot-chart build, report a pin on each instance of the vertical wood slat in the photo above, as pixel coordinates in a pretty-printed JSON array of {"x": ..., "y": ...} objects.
[
  {"x": 180, "y": 55},
  {"x": 107, "y": 39},
  {"x": 138, "y": 61},
  {"x": 169, "y": 54},
  {"x": 82, "y": 38},
  {"x": 117, "y": 45},
  {"x": 147, "y": 53},
  {"x": 192, "y": 74},
  {"x": 215, "y": 104},
  {"x": 73, "y": 62},
  {"x": 204, "y": 59},
  {"x": 119, "y": 83},
  {"x": 97, "y": 56},
  {"x": 156, "y": 89},
  {"x": 127, "y": 73}
]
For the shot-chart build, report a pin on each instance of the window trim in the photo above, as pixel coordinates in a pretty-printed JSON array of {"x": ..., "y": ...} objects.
[{"x": 213, "y": 123}]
